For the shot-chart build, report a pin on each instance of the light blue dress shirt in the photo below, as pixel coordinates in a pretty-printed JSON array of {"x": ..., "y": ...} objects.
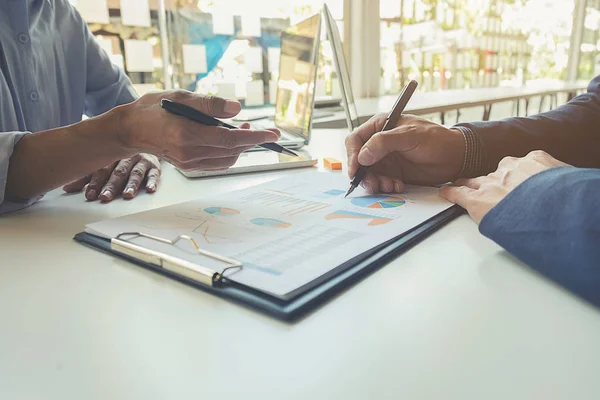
[{"x": 52, "y": 72}]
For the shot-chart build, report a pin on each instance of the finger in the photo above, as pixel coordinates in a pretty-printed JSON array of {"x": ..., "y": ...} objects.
[
  {"x": 372, "y": 126},
  {"x": 136, "y": 176},
  {"x": 196, "y": 154},
  {"x": 211, "y": 105},
  {"x": 97, "y": 181},
  {"x": 473, "y": 183},
  {"x": 460, "y": 195},
  {"x": 356, "y": 140},
  {"x": 77, "y": 185},
  {"x": 246, "y": 125},
  {"x": 386, "y": 184},
  {"x": 153, "y": 179},
  {"x": 370, "y": 183},
  {"x": 398, "y": 186},
  {"x": 507, "y": 162},
  {"x": 118, "y": 178},
  {"x": 402, "y": 139},
  {"x": 211, "y": 164}
]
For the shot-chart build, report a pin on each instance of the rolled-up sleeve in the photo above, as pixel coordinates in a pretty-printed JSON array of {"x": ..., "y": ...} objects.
[
  {"x": 107, "y": 85},
  {"x": 8, "y": 141}
]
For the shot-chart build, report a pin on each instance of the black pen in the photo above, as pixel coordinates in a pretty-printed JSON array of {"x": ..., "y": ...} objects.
[
  {"x": 390, "y": 122},
  {"x": 188, "y": 112}
]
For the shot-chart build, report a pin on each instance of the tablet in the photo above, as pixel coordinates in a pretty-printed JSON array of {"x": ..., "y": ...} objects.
[{"x": 258, "y": 161}]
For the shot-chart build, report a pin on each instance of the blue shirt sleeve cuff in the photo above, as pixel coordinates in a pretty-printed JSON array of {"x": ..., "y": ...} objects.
[{"x": 8, "y": 141}]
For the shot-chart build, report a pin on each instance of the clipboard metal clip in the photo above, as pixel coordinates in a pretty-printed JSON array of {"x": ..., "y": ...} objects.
[{"x": 190, "y": 270}]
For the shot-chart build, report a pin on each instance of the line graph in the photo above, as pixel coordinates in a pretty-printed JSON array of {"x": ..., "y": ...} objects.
[
  {"x": 290, "y": 205},
  {"x": 346, "y": 214}
]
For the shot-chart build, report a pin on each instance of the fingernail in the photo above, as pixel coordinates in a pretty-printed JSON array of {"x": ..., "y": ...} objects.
[
  {"x": 152, "y": 188},
  {"x": 91, "y": 194},
  {"x": 365, "y": 157},
  {"x": 388, "y": 187},
  {"x": 232, "y": 107},
  {"x": 107, "y": 195},
  {"x": 129, "y": 192}
]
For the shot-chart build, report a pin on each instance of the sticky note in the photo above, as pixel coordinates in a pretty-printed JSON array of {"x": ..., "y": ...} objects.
[
  {"x": 253, "y": 60},
  {"x": 332, "y": 164},
  {"x": 138, "y": 56},
  {"x": 194, "y": 59},
  {"x": 255, "y": 93},
  {"x": 251, "y": 25},
  {"x": 226, "y": 91},
  {"x": 135, "y": 12},
  {"x": 93, "y": 10},
  {"x": 223, "y": 23}
]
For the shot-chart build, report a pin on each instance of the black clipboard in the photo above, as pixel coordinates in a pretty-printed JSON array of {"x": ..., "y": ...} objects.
[{"x": 313, "y": 294}]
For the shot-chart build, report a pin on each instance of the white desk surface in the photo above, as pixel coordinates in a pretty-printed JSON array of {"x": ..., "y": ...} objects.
[{"x": 453, "y": 318}]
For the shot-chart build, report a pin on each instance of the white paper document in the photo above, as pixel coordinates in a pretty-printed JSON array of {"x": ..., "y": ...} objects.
[
  {"x": 135, "y": 12},
  {"x": 286, "y": 232},
  {"x": 139, "y": 56}
]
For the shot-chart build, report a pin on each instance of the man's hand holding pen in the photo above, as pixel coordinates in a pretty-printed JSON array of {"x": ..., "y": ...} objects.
[{"x": 415, "y": 151}]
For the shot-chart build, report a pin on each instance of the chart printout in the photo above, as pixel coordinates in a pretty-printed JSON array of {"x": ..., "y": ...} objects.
[{"x": 287, "y": 232}]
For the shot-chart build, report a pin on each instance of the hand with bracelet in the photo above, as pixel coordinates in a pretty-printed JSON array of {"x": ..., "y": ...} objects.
[{"x": 424, "y": 153}]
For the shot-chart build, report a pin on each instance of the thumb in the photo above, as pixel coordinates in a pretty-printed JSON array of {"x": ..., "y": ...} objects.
[
  {"x": 218, "y": 107},
  {"x": 210, "y": 105},
  {"x": 402, "y": 139}
]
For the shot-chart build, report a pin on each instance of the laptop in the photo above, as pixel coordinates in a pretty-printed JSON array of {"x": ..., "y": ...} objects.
[
  {"x": 295, "y": 97},
  {"x": 298, "y": 64},
  {"x": 339, "y": 60}
]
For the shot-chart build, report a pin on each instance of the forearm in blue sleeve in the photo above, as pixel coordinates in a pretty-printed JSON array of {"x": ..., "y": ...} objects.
[
  {"x": 569, "y": 133},
  {"x": 8, "y": 141},
  {"x": 552, "y": 223}
]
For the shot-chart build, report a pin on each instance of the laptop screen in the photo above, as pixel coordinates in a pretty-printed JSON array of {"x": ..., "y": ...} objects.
[
  {"x": 297, "y": 76},
  {"x": 342, "y": 70}
]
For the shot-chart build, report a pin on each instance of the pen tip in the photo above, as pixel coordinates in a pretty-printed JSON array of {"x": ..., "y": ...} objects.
[
  {"x": 289, "y": 153},
  {"x": 349, "y": 190}
]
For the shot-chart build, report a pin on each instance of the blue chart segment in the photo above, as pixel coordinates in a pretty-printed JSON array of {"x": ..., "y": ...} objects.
[
  {"x": 379, "y": 202},
  {"x": 221, "y": 211},
  {"x": 270, "y": 223},
  {"x": 334, "y": 192}
]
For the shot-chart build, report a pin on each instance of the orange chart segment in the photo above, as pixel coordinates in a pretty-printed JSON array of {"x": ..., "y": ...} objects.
[
  {"x": 379, "y": 202},
  {"x": 345, "y": 214},
  {"x": 221, "y": 211}
]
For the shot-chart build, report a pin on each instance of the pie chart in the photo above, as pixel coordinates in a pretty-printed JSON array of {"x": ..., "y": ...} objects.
[
  {"x": 270, "y": 222},
  {"x": 379, "y": 202},
  {"x": 221, "y": 211}
]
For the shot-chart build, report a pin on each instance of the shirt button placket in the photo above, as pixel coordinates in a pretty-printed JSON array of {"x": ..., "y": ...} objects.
[{"x": 23, "y": 38}]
